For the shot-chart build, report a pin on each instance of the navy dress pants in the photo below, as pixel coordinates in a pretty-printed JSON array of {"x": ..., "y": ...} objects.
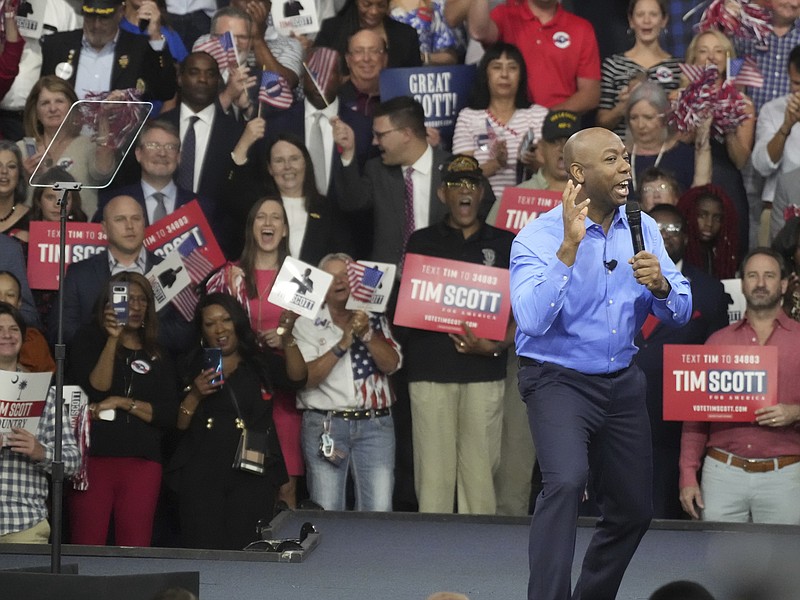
[{"x": 581, "y": 422}]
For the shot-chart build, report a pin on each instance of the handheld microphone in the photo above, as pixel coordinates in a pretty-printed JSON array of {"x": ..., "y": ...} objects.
[
  {"x": 634, "y": 214},
  {"x": 144, "y": 24}
]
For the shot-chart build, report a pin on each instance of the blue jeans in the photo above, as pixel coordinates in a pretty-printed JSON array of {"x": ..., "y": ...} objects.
[{"x": 368, "y": 448}]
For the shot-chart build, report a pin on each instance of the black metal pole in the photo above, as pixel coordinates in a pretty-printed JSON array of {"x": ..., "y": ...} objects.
[{"x": 60, "y": 356}]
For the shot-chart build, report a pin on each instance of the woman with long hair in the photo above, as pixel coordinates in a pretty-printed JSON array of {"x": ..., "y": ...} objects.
[
  {"x": 132, "y": 388},
  {"x": 712, "y": 228},
  {"x": 645, "y": 61},
  {"x": 250, "y": 281},
  {"x": 730, "y": 150},
  {"x": 498, "y": 116},
  {"x": 46, "y": 108},
  {"x": 14, "y": 215},
  {"x": 45, "y": 200},
  {"x": 220, "y": 506}
]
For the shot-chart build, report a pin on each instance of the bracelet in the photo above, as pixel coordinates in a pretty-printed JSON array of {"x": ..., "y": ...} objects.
[
  {"x": 132, "y": 406},
  {"x": 185, "y": 410},
  {"x": 10, "y": 15},
  {"x": 338, "y": 352},
  {"x": 784, "y": 133},
  {"x": 367, "y": 337}
]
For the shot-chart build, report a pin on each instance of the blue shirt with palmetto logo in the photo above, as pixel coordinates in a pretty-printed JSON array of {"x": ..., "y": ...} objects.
[{"x": 585, "y": 317}]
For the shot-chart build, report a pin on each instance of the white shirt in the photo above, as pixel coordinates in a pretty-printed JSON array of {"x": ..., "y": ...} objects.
[
  {"x": 421, "y": 177},
  {"x": 185, "y": 7},
  {"x": 770, "y": 119},
  {"x": 327, "y": 134},
  {"x": 202, "y": 133},
  {"x": 298, "y": 218},
  {"x": 94, "y": 68},
  {"x": 58, "y": 16},
  {"x": 170, "y": 192}
]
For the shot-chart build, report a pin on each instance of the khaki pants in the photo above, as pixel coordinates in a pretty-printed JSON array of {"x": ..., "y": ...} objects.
[
  {"x": 456, "y": 431},
  {"x": 38, "y": 534}
]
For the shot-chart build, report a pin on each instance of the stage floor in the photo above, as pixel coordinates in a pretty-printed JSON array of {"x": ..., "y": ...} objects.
[{"x": 405, "y": 556}]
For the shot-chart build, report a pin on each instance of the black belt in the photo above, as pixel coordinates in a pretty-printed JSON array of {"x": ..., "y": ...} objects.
[
  {"x": 355, "y": 415},
  {"x": 526, "y": 361}
]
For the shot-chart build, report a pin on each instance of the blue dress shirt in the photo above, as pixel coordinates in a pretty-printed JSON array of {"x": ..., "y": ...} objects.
[{"x": 585, "y": 317}]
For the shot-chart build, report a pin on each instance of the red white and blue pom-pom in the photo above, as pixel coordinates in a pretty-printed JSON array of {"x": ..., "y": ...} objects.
[{"x": 736, "y": 18}]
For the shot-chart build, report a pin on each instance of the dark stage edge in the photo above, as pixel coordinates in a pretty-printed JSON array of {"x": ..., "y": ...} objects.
[{"x": 407, "y": 556}]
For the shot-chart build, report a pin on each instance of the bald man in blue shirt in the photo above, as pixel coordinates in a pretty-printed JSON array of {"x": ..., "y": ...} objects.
[{"x": 579, "y": 296}]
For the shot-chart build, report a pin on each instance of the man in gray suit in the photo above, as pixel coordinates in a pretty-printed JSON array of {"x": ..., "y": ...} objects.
[{"x": 399, "y": 186}]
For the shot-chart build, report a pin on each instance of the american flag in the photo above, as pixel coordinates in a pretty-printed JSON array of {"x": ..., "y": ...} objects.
[
  {"x": 692, "y": 72},
  {"x": 274, "y": 90},
  {"x": 744, "y": 71},
  {"x": 363, "y": 280},
  {"x": 371, "y": 386},
  {"x": 197, "y": 266},
  {"x": 321, "y": 66},
  {"x": 222, "y": 48}
]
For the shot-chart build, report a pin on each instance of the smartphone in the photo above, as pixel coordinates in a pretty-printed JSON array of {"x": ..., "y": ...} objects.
[
  {"x": 30, "y": 146},
  {"x": 118, "y": 297},
  {"x": 107, "y": 415},
  {"x": 212, "y": 359}
]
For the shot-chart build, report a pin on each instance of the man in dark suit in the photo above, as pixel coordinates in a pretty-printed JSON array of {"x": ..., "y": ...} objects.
[
  {"x": 208, "y": 135},
  {"x": 123, "y": 225},
  {"x": 400, "y": 186},
  {"x": 157, "y": 151},
  {"x": 116, "y": 59},
  {"x": 709, "y": 314}
]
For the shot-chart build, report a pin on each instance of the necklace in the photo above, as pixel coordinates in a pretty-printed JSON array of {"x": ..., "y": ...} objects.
[
  {"x": 8, "y": 216},
  {"x": 505, "y": 126},
  {"x": 655, "y": 164}
]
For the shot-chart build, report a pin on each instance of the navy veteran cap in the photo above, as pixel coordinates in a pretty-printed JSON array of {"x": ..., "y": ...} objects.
[
  {"x": 100, "y": 8},
  {"x": 559, "y": 124},
  {"x": 461, "y": 167}
]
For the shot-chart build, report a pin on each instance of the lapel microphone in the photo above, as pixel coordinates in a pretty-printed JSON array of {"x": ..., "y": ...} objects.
[{"x": 610, "y": 265}]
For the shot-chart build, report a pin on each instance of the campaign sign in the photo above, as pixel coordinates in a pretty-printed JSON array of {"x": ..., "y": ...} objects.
[
  {"x": 22, "y": 398},
  {"x": 442, "y": 91},
  {"x": 74, "y": 401},
  {"x": 718, "y": 382},
  {"x": 379, "y": 297},
  {"x": 438, "y": 294},
  {"x": 520, "y": 205},
  {"x": 168, "y": 278},
  {"x": 300, "y": 288},
  {"x": 295, "y": 16},
  {"x": 83, "y": 241},
  {"x": 733, "y": 287},
  {"x": 165, "y": 235}
]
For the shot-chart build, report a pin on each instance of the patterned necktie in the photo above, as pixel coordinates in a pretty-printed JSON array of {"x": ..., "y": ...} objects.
[
  {"x": 317, "y": 151},
  {"x": 408, "y": 225},
  {"x": 186, "y": 168},
  {"x": 161, "y": 211}
]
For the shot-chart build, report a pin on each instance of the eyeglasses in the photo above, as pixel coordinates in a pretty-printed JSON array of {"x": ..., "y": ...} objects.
[
  {"x": 158, "y": 147},
  {"x": 366, "y": 52},
  {"x": 652, "y": 189},
  {"x": 379, "y": 134},
  {"x": 670, "y": 228},
  {"x": 468, "y": 184}
]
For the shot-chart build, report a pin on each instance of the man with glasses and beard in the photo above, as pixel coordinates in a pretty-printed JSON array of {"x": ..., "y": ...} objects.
[{"x": 751, "y": 471}]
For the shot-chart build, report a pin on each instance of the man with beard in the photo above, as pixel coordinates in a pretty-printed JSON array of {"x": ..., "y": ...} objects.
[{"x": 751, "y": 471}]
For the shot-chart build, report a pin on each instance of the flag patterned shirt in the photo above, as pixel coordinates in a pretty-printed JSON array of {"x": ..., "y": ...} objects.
[{"x": 355, "y": 381}]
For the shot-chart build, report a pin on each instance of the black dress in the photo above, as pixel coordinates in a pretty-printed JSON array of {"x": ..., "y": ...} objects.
[{"x": 219, "y": 505}]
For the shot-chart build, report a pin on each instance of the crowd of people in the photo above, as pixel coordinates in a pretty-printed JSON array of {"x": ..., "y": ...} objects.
[{"x": 415, "y": 420}]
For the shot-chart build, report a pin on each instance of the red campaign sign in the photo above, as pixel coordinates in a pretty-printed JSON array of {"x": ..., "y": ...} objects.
[
  {"x": 718, "y": 383},
  {"x": 520, "y": 205},
  {"x": 163, "y": 236},
  {"x": 83, "y": 241},
  {"x": 437, "y": 294}
]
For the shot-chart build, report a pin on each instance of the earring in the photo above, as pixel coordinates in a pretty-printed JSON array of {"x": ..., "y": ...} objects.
[{"x": 629, "y": 32}]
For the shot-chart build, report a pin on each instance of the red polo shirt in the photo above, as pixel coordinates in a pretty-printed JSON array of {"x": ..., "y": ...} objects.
[{"x": 556, "y": 54}]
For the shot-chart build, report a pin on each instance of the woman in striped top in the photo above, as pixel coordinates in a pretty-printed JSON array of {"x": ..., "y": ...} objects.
[
  {"x": 498, "y": 116},
  {"x": 647, "y": 60}
]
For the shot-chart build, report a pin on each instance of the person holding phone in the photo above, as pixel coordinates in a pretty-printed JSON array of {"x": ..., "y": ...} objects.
[
  {"x": 250, "y": 279},
  {"x": 219, "y": 505},
  {"x": 132, "y": 388}
]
